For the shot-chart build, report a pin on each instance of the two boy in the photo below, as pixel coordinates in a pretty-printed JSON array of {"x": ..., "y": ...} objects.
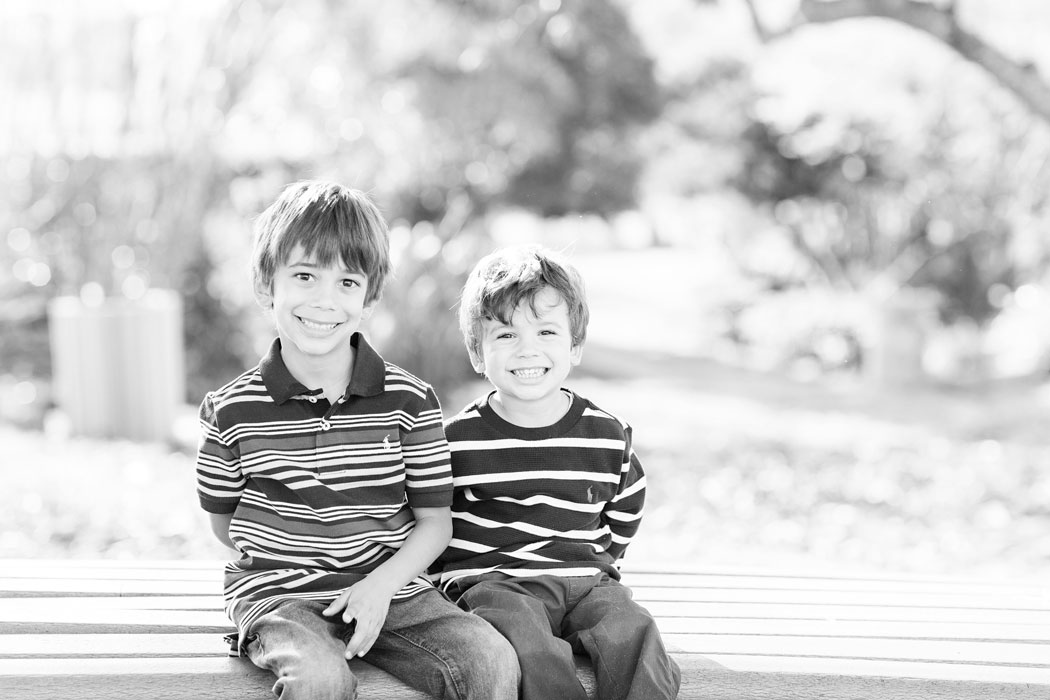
[{"x": 329, "y": 471}]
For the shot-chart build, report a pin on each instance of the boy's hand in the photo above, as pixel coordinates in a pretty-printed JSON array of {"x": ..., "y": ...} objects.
[{"x": 367, "y": 603}]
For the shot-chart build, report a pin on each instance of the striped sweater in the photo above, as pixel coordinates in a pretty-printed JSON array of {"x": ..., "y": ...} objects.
[
  {"x": 563, "y": 500},
  {"x": 320, "y": 494}
]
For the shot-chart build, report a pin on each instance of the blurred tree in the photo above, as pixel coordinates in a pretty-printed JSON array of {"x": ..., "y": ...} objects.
[
  {"x": 936, "y": 19},
  {"x": 129, "y": 168},
  {"x": 529, "y": 104},
  {"x": 949, "y": 199},
  {"x": 117, "y": 173},
  {"x": 864, "y": 212}
]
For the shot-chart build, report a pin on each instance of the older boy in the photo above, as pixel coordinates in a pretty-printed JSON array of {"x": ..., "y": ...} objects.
[
  {"x": 548, "y": 492},
  {"x": 327, "y": 469}
]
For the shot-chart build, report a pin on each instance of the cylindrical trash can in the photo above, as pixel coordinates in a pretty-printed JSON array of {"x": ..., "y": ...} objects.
[
  {"x": 902, "y": 323},
  {"x": 118, "y": 366}
]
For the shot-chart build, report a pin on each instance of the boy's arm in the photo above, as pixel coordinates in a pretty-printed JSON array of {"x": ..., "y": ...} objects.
[
  {"x": 220, "y": 481},
  {"x": 368, "y": 601},
  {"x": 220, "y": 526},
  {"x": 623, "y": 513}
]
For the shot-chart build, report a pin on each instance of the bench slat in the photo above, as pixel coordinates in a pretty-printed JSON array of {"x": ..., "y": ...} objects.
[
  {"x": 89, "y": 616},
  {"x": 906, "y": 586},
  {"x": 952, "y": 651},
  {"x": 210, "y": 603},
  {"x": 784, "y": 667},
  {"x": 52, "y": 586},
  {"x": 841, "y": 597},
  {"x": 858, "y": 628},
  {"x": 776, "y": 611}
]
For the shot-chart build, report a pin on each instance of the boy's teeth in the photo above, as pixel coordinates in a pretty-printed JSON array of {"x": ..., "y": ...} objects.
[
  {"x": 318, "y": 326},
  {"x": 529, "y": 373}
]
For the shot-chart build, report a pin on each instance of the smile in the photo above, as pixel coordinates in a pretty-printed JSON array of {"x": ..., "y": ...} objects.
[
  {"x": 530, "y": 373},
  {"x": 315, "y": 326}
]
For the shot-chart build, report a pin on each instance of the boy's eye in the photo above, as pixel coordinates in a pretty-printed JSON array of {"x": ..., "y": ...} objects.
[
  {"x": 351, "y": 283},
  {"x": 303, "y": 276}
]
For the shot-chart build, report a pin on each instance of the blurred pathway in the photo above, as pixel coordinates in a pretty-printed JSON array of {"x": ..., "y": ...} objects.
[{"x": 1007, "y": 411}]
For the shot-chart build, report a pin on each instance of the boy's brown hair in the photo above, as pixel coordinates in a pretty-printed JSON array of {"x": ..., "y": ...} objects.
[
  {"x": 332, "y": 223},
  {"x": 503, "y": 280}
]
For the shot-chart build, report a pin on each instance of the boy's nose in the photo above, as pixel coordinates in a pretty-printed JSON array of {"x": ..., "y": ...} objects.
[
  {"x": 526, "y": 347},
  {"x": 323, "y": 298}
]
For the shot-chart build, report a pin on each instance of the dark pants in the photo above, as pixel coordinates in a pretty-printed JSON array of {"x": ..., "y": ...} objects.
[{"x": 548, "y": 618}]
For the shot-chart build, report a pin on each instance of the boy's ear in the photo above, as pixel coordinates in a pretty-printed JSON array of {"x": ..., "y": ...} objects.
[
  {"x": 263, "y": 296},
  {"x": 576, "y": 354},
  {"x": 367, "y": 309},
  {"x": 478, "y": 364}
]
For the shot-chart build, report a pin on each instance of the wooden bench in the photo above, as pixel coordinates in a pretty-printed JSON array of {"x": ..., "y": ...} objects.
[{"x": 98, "y": 629}]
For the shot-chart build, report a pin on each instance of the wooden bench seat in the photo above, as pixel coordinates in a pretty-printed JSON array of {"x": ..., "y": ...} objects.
[{"x": 99, "y": 629}]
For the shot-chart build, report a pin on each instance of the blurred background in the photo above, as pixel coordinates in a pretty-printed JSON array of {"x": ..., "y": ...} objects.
[{"x": 815, "y": 236}]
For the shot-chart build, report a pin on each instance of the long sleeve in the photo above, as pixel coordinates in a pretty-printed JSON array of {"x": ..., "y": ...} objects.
[{"x": 623, "y": 513}]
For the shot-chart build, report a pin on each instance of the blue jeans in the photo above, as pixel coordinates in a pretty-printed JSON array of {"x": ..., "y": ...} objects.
[
  {"x": 549, "y": 618},
  {"x": 426, "y": 642}
]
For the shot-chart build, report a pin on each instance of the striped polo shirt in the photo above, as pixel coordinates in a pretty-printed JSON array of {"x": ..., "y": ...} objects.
[
  {"x": 562, "y": 500},
  {"x": 320, "y": 493}
]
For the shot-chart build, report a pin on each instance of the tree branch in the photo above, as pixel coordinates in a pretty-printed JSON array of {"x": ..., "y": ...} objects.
[{"x": 938, "y": 21}]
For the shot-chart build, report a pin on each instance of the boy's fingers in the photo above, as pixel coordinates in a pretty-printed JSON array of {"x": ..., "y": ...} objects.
[
  {"x": 367, "y": 648},
  {"x": 362, "y": 640},
  {"x": 359, "y": 648},
  {"x": 338, "y": 604}
]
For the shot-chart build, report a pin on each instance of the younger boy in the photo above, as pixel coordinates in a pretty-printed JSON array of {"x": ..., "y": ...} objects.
[
  {"x": 327, "y": 469},
  {"x": 548, "y": 492}
]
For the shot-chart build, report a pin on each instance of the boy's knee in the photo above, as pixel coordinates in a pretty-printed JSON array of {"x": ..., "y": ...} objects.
[
  {"x": 493, "y": 670},
  {"x": 317, "y": 682},
  {"x": 497, "y": 650},
  {"x": 307, "y": 660},
  {"x": 629, "y": 624}
]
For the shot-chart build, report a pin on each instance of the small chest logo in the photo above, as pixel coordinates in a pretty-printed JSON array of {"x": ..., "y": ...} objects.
[{"x": 386, "y": 442}]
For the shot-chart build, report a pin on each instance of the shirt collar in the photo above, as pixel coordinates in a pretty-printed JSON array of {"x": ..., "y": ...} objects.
[{"x": 367, "y": 377}]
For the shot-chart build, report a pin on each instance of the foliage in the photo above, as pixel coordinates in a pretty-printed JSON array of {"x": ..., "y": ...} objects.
[
  {"x": 867, "y": 214},
  {"x": 490, "y": 103}
]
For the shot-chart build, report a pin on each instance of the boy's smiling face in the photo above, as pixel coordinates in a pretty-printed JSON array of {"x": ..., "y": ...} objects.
[
  {"x": 528, "y": 359},
  {"x": 316, "y": 308}
]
